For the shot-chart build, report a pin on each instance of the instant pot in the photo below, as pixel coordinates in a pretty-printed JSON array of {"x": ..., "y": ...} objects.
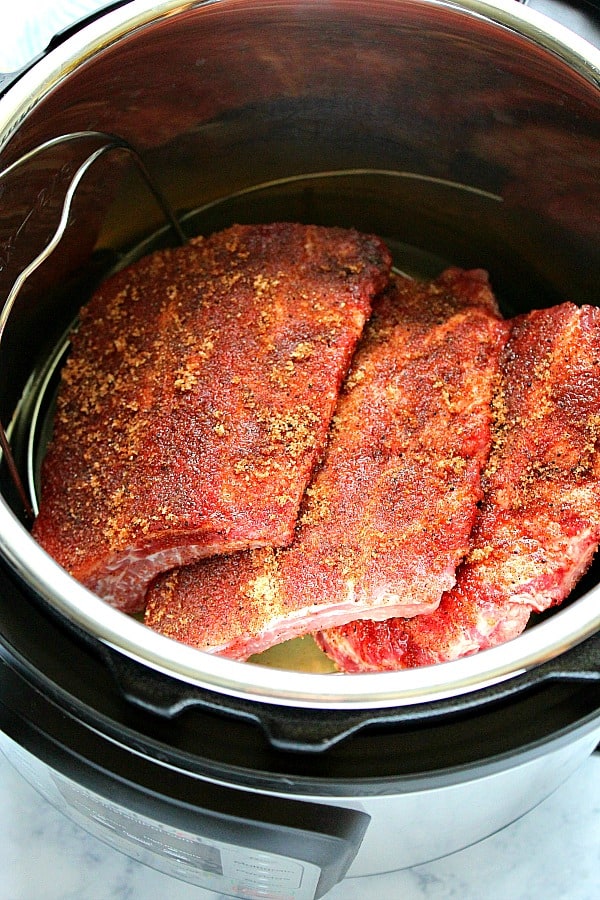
[{"x": 464, "y": 133}]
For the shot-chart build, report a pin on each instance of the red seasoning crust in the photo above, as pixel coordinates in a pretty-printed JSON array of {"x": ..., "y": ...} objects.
[
  {"x": 539, "y": 525},
  {"x": 388, "y": 515},
  {"x": 196, "y": 400}
]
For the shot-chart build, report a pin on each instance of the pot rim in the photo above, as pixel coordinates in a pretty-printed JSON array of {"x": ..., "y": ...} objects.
[
  {"x": 546, "y": 640},
  {"x": 44, "y": 74}
]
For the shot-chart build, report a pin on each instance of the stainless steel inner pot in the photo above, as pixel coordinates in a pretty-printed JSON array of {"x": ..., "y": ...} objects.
[{"x": 461, "y": 132}]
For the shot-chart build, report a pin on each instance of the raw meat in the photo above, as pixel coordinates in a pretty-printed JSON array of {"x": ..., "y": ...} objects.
[
  {"x": 387, "y": 517},
  {"x": 539, "y": 525},
  {"x": 196, "y": 400}
]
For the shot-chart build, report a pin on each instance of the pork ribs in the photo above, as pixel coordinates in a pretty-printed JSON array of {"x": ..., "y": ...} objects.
[
  {"x": 196, "y": 400},
  {"x": 388, "y": 514},
  {"x": 539, "y": 525}
]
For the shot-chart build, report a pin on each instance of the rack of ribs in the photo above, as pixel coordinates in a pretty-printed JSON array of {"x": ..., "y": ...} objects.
[
  {"x": 388, "y": 515},
  {"x": 539, "y": 525},
  {"x": 196, "y": 400}
]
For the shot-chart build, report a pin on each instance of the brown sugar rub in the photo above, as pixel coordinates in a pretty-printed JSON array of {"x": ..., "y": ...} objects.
[
  {"x": 196, "y": 400},
  {"x": 388, "y": 515},
  {"x": 539, "y": 524}
]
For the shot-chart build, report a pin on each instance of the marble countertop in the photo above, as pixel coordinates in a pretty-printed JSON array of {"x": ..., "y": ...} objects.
[{"x": 552, "y": 853}]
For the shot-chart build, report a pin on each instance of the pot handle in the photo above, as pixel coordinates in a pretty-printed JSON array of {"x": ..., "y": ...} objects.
[
  {"x": 285, "y": 728},
  {"x": 580, "y": 663},
  {"x": 69, "y": 30},
  {"x": 7, "y": 79},
  {"x": 317, "y": 730}
]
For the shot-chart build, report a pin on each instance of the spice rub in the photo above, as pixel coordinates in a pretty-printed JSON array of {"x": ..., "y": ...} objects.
[
  {"x": 388, "y": 515},
  {"x": 196, "y": 400},
  {"x": 539, "y": 524}
]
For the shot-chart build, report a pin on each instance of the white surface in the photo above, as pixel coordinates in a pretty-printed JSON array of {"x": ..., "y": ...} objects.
[
  {"x": 26, "y": 26},
  {"x": 553, "y": 853}
]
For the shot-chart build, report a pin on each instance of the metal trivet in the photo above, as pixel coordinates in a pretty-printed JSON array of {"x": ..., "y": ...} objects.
[{"x": 109, "y": 144}]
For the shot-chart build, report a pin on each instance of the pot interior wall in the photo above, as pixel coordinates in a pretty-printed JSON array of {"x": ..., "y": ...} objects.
[
  {"x": 462, "y": 138},
  {"x": 456, "y": 138}
]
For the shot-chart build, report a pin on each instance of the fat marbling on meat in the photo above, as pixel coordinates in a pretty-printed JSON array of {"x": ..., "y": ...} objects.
[
  {"x": 388, "y": 515},
  {"x": 196, "y": 400},
  {"x": 539, "y": 525}
]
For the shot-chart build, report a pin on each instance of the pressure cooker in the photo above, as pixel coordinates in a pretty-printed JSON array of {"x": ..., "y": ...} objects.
[{"x": 463, "y": 132}]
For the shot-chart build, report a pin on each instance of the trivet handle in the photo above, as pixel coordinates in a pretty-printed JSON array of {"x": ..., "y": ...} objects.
[
  {"x": 107, "y": 143},
  {"x": 102, "y": 144}
]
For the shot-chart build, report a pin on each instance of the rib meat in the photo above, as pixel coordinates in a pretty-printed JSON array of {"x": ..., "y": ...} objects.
[
  {"x": 539, "y": 525},
  {"x": 196, "y": 400},
  {"x": 388, "y": 515}
]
